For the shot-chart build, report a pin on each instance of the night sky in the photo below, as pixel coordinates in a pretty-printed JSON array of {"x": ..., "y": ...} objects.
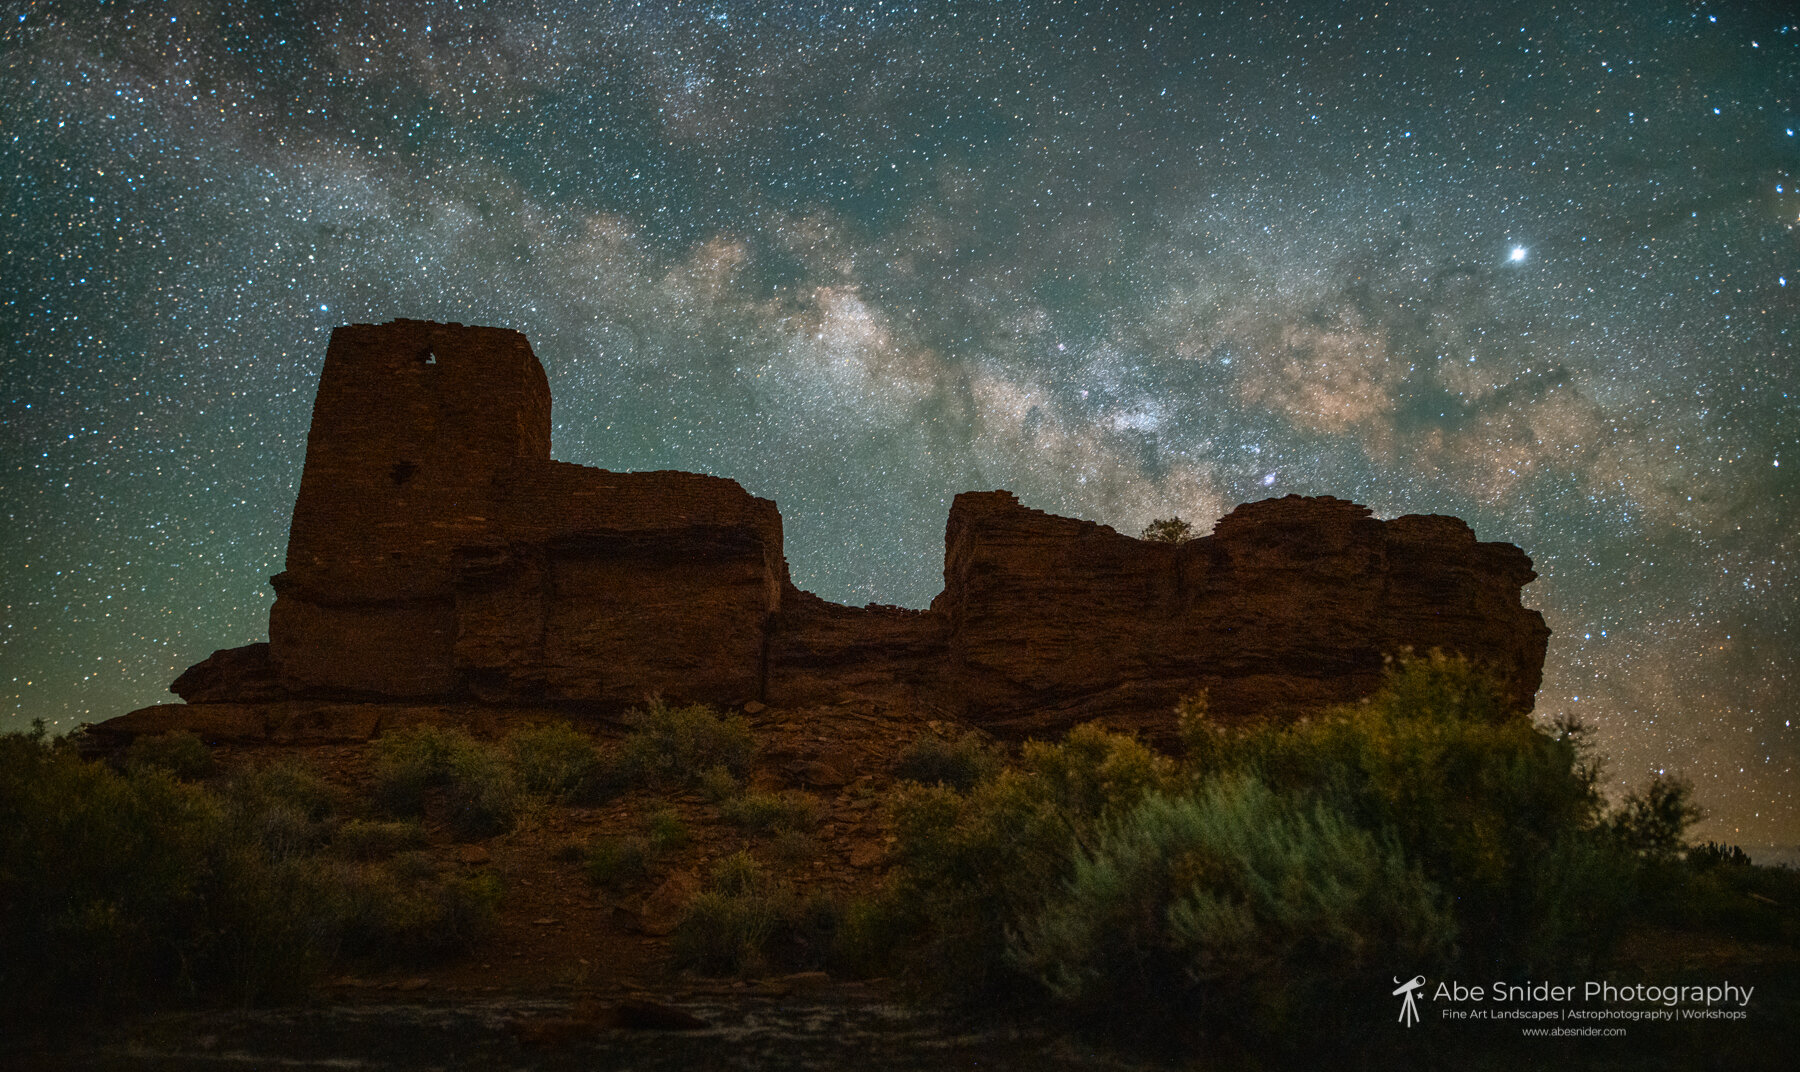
[{"x": 1537, "y": 267}]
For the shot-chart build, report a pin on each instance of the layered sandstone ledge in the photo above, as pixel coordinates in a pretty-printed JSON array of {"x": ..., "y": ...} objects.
[{"x": 440, "y": 560}]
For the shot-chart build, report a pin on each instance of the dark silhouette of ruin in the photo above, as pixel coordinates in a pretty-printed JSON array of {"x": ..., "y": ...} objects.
[{"x": 439, "y": 554}]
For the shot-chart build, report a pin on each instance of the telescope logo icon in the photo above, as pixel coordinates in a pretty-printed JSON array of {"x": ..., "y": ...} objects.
[{"x": 1409, "y": 1009}]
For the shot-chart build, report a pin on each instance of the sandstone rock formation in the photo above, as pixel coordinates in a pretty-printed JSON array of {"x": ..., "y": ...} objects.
[{"x": 438, "y": 555}]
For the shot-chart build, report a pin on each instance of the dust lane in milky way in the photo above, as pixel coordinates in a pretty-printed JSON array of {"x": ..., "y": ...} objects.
[{"x": 1537, "y": 269}]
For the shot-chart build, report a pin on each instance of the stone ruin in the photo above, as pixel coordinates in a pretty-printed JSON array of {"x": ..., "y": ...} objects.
[{"x": 438, "y": 555}]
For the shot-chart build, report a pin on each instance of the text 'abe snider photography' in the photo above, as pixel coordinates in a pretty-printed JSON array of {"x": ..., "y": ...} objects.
[{"x": 1454, "y": 1000}]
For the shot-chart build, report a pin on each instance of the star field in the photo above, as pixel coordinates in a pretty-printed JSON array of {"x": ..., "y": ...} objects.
[{"x": 1538, "y": 268}]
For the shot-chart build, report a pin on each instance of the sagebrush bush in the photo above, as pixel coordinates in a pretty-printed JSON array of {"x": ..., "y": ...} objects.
[
  {"x": 1227, "y": 898},
  {"x": 682, "y": 745},
  {"x": 665, "y": 830},
  {"x": 481, "y": 791},
  {"x": 118, "y": 888},
  {"x": 787, "y": 810},
  {"x": 410, "y": 910},
  {"x": 555, "y": 762},
  {"x": 1503, "y": 815},
  {"x": 180, "y": 753},
  {"x": 746, "y": 921},
  {"x": 971, "y": 866},
  {"x": 959, "y": 764},
  {"x": 615, "y": 862},
  {"x": 367, "y": 839},
  {"x": 718, "y": 785},
  {"x": 1431, "y": 824}
]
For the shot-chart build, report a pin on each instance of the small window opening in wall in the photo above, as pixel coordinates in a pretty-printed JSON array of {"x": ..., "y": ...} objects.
[
  {"x": 427, "y": 357},
  {"x": 402, "y": 472}
]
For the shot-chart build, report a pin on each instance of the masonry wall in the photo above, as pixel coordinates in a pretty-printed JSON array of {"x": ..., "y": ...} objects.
[{"x": 438, "y": 552}]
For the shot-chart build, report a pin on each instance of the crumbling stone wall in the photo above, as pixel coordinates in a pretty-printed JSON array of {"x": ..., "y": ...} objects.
[{"x": 437, "y": 552}]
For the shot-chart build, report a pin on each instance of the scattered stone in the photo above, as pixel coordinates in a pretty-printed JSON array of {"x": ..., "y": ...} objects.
[
  {"x": 817, "y": 774},
  {"x": 663, "y": 910},
  {"x": 755, "y": 707},
  {"x": 473, "y": 854}
]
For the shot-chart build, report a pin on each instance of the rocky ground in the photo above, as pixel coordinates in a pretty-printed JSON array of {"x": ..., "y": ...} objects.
[{"x": 558, "y": 932}]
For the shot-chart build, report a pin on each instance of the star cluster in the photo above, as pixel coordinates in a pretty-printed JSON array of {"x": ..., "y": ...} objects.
[{"x": 1536, "y": 268}]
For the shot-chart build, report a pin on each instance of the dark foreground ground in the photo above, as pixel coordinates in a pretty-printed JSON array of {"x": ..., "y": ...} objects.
[
  {"x": 812, "y": 1023},
  {"x": 579, "y": 976}
]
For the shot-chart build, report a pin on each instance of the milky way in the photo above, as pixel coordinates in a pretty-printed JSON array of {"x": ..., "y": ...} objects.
[{"x": 1536, "y": 268}]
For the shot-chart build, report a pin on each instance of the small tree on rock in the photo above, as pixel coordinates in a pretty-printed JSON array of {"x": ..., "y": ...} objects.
[{"x": 1168, "y": 530}]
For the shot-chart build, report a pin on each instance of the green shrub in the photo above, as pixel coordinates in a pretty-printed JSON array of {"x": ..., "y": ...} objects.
[
  {"x": 971, "y": 866},
  {"x": 481, "y": 794},
  {"x": 681, "y": 745},
  {"x": 555, "y": 762},
  {"x": 408, "y": 762},
  {"x": 1231, "y": 903},
  {"x": 665, "y": 830},
  {"x": 1718, "y": 888},
  {"x": 180, "y": 753},
  {"x": 718, "y": 785},
  {"x": 1503, "y": 816},
  {"x": 408, "y": 910},
  {"x": 793, "y": 847},
  {"x": 123, "y": 888},
  {"x": 364, "y": 839},
  {"x": 1430, "y": 824},
  {"x": 747, "y": 922},
  {"x": 615, "y": 862},
  {"x": 790, "y": 809},
  {"x": 959, "y": 764},
  {"x": 1653, "y": 821}
]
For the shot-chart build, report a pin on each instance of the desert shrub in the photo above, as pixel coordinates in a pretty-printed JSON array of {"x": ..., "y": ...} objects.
[
  {"x": 665, "y": 830},
  {"x": 367, "y": 839},
  {"x": 180, "y": 753},
  {"x": 971, "y": 866},
  {"x": 1719, "y": 888},
  {"x": 746, "y": 922},
  {"x": 790, "y": 809},
  {"x": 408, "y": 910},
  {"x": 718, "y": 785},
  {"x": 681, "y": 745},
  {"x": 119, "y": 888},
  {"x": 615, "y": 862},
  {"x": 793, "y": 847},
  {"x": 407, "y": 762},
  {"x": 285, "y": 806},
  {"x": 555, "y": 762},
  {"x": 1711, "y": 855},
  {"x": 1502, "y": 815},
  {"x": 481, "y": 794},
  {"x": 958, "y": 764},
  {"x": 1232, "y": 903},
  {"x": 1653, "y": 821},
  {"x": 1430, "y": 824}
]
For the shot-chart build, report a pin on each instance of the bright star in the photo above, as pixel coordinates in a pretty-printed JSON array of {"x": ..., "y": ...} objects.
[{"x": 1518, "y": 253}]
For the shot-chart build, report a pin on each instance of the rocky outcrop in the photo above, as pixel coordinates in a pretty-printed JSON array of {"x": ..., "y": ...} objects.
[
  {"x": 1290, "y": 604},
  {"x": 439, "y": 556},
  {"x": 243, "y": 675}
]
